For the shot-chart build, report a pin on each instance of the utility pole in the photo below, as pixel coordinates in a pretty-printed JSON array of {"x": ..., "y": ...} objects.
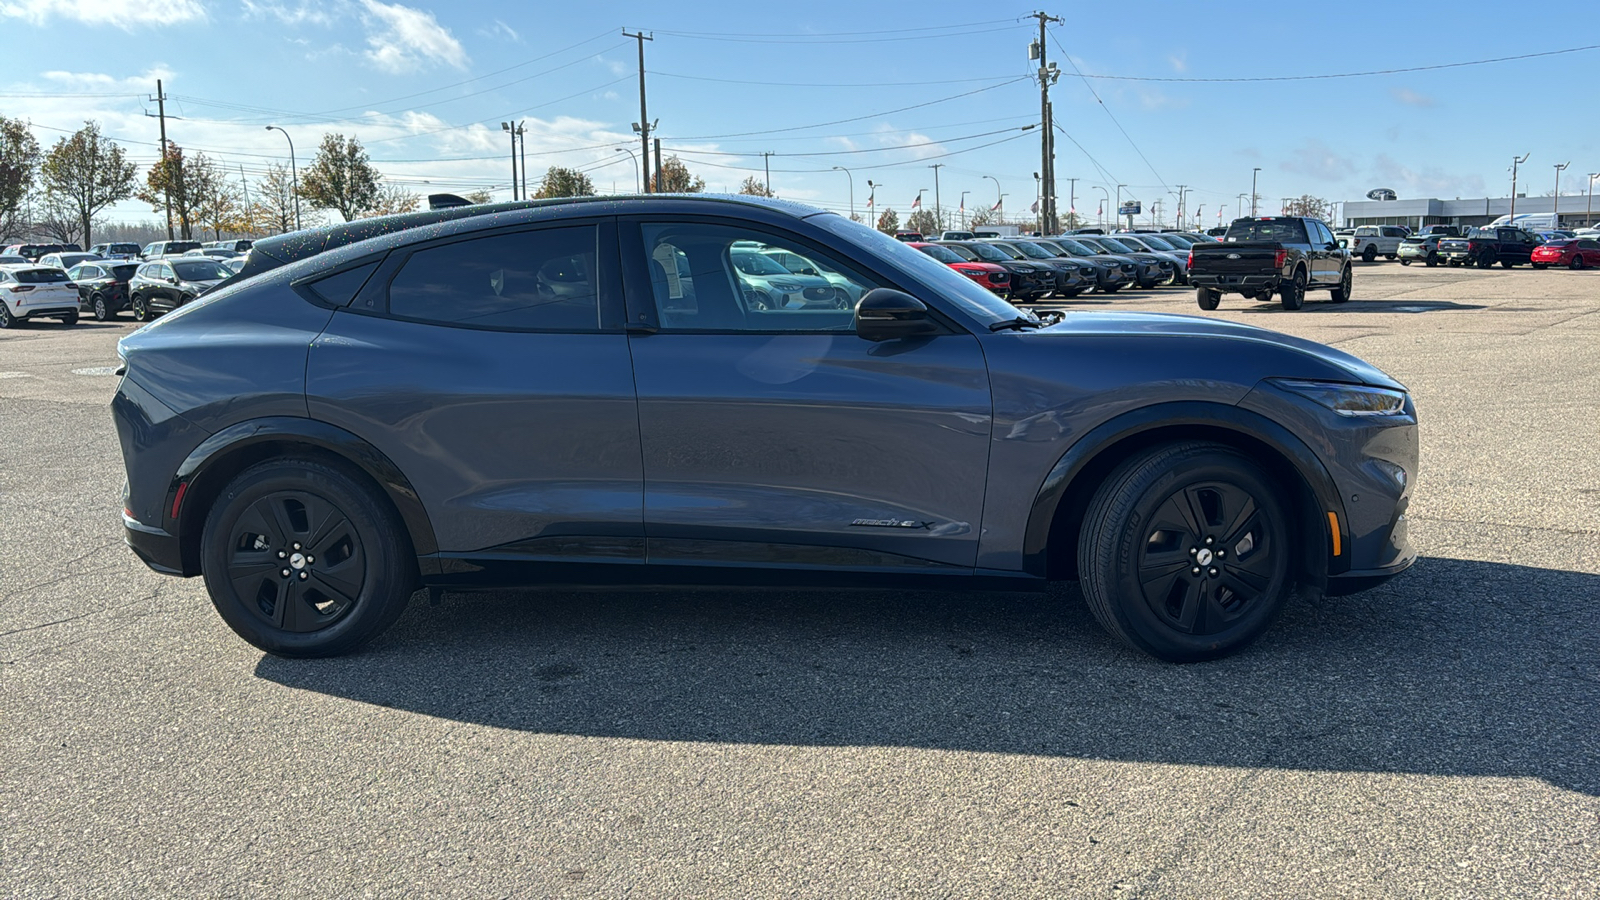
[
  {"x": 511, "y": 129},
  {"x": 938, "y": 208},
  {"x": 1514, "y": 164},
  {"x": 246, "y": 182},
  {"x": 1557, "y": 207},
  {"x": 1253, "y": 173},
  {"x": 1072, "y": 197},
  {"x": 1047, "y": 75},
  {"x": 658, "y": 161},
  {"x": 166, "y": 194},
  {"x": 644, "y": 125},
  {"x": 523, "y": 140},
  {"x": 1588, "y": 216},
  {"x": 766, "y": 171},
  {"x": 1182, "y": 188}
]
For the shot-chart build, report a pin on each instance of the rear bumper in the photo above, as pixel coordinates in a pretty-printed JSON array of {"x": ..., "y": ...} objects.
[
  {"x": 1236, "y": 284},
  {"x": 1415, "y": 251},
  {"x": 49, "y": 310}
]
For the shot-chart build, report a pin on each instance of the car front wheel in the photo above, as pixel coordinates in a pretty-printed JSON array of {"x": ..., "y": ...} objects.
[
  {"x": 102, "y": 312},
  {"x": 141, "y": 309},
  {"x": 1184, "y": 552},
  {"x": 303, "y": 559},
  {"x": 1341, "y": 294}
]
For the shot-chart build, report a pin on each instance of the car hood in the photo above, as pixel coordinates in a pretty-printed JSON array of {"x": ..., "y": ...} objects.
[{"x": 1088, "y": 323}]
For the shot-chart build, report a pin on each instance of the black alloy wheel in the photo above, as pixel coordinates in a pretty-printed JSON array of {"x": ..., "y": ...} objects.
[
  {"x": 1405, "y": 262},
  {"x": 1207, "y": 298},
  {"x": 70, "y": 318},
  {"x": 1184, "y": 552},
  {"x": 1370, "y": 254},
  {"x": 1486, "y": 260},
  {"x": 1506, "y": 263},
  {"x": 1433, "y": 260},
  {"x": 1341, "y": 294},
  {"x": 102, "y": 312},
  {"x": 1293, "y": 292},
  {"x": 303, "y": 559}
]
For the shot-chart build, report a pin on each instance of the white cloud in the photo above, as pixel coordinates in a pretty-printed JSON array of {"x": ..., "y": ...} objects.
[
  {"x": 1179, "y": 61},
  {"x": 1317, "y": 160},
  {"x": 1410, "y": 97},
  {"x": 403, "y": 38},
  {"x": 115, "y": 13},
  {"x": 304, "y": 12},
  {"x": 502, "y": 31},
  {"x": 916, "y": 145},
  {"x": 1426, "y": 182}
]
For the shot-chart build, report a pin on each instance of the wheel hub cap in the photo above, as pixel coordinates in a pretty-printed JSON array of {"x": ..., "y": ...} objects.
[
  {"x": 298, "y": 560},
  {"x": 1203, "y": 557}
]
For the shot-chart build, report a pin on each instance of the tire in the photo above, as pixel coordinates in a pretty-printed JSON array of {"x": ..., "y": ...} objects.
[
  {"x": 262, "y": 523},
  {"x": 1577, "y": 262},
  {"x": 7, "y": 320},
  {"x": 1341, "y": 294},
  {"x": 102, "y": 311},
  {"x": 1405, "y": 262},
  {"x": 141, "y": 310},
  {"x": 70, "y": 318},
  {"x": 1542, "y": 266},
  {"x": 1432, "y": 260},
  {"x": 1486, "y": 261},
  {"x": 1293, "y": 293},
  {"x": 1370, "y": 254},
  {"x": 1148, "y": 528},
  {"x": 1390, "y": 256},
  {"x": 1207, "y": 298},
  {"x": 1506, "y": 263}
]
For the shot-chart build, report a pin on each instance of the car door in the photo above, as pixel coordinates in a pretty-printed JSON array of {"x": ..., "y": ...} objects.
[
  {"x": 776, "y": 436},
  {"x": 1587, "y": 252},
  {"x": 492, "y": 369},
  {"x": 1525, "y": 246},
  {"x": 1322, "y": 256}
]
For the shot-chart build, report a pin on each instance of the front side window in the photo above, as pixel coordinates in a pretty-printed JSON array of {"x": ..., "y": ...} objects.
[
  {"x": 707, "y": 277},
  {"x": 543, "y": 280}
]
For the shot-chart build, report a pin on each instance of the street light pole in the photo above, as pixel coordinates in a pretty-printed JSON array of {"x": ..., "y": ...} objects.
[
  {"x": 1588, "y": 216},
  {"x": 1253, "y": 173},
  {"x": 294, "y": 170},
  {"x": 1238, "y": 208},
  {"x": 1556, "y": 208},
  {"x": 638, "y": 178},
  {"x": 1512, "y": 221},
  {"x": 511, "y": 129},
  {"x": 997, "y": 195},
  {"x": 872, "y": 198},
  {"x": 1101, "y": 219},
  {"x": 938, "y": 208},
  {"x": 852, "y": 190}
]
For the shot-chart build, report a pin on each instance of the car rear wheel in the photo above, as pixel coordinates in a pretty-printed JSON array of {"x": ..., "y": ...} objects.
[
  {"x": 302, "y": 559},
  {"x": 70, "y": 318},
  {"x": 1341, "y": 294},
  {"x": 1184, "y": 552},
  {"x": 1540, "y": 266},
  {"x": 1207, "y": 298},
  {"x": 1506, "y": 263},
  {"x": 7, "y": 320},
  {"x": 102, "y": 312},
  {"x": 1293, "y": 292},
  {"x": 1432, "y": 260},
  {"x": 1577, "y": 261},
  {"x": 1405, "y": 262},
  {"x": 141, "y": 310},
  {"x": 1485, "y": 260},
  {"x": 1370, "y": 254}
]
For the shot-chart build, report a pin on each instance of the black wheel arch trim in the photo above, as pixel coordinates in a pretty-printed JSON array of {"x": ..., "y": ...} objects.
[
  {"x": 311, "y": 432},
  {"x": 1180, "y": 415}
]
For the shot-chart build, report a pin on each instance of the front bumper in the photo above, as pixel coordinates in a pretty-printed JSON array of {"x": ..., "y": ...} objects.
[{"x": 155, "y": 547}]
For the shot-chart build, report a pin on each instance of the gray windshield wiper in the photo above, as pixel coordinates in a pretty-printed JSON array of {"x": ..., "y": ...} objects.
[{"x": 1016, "y": 324}]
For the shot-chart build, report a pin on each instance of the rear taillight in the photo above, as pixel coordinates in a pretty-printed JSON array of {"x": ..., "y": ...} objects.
[
  {"x": 1191, "y": 259},
  {"x": 1279, "y": 258},
  {"x": 21, "y": 288}
]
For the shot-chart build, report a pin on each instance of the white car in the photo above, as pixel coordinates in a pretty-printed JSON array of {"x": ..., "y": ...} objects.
[
  {"x": 66, "y": 259},
  {"x": 36, "y": 292},
  {"x": 1371, "y": 241}
]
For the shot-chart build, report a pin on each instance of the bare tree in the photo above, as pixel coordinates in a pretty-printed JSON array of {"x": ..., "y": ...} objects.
[
  {"x": 272, "y": 201},
  {"x": 393, "y": 199},
  {"x": 86, "y": 173}
]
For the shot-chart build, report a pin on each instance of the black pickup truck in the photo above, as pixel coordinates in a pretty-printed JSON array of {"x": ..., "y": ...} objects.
[
  {"x": 1259, "y": 257},
  {"x": 1483, "y": 247}
]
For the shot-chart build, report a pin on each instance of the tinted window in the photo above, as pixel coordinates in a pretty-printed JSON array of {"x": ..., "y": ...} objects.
[
  {"x": 199, "y": 269},
  {"x": 728, "y": 278},
  {"x": 40, "y": 276},
  {"x": 341, "y": 288},
  {"x": 942, "y": 254},
  {"x": 1283, "y": 231},
  {"x": 539, "y": 280},
  {"x": 1589, "y": 245}
]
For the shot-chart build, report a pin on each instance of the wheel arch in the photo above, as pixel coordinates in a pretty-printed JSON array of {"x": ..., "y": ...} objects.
[
  {"x": 212, "y": 465},
  {"x": 1051, "y": 539}
]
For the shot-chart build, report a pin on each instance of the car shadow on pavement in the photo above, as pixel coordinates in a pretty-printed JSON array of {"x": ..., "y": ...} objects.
[
  {"x": 1363, "y": 306},
  {"x": 1457, "y": 668}
]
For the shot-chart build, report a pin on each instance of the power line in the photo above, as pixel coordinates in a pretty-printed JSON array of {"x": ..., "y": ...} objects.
[
  {"x": 832, "y": 34},
  {"x": 1108, "y": 112},
  {"x": 965, "y": 137},
  {"x": 843, "y": 37},
  {"x": 1019, "y": 135},
  {"x": 813, "y": 84},
  {"x": 1402, "y": 71},
  {"x": 713, "y": 137}
]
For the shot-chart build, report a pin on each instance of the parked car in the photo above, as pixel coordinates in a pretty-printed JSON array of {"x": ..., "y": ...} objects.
[
  {"x": 1152, "y": 242},
  {"x": 115, "y": 250},
  {"x": 1217, "y": 232},
  {"x": 1548, "y": 236},
  {"x": 233, "y": 263},
  {"x": 992, "y": 276},
  {"x": 1577, "y": 253},
  {"x": 212, "y": 252},
  {"x": 32, "y": 252},
  {"x": 167, "y": 284},
  {"x": 1437, "y": 231},
  {"x": 768, "y": 285},
  {"x": 103, "y": 286},
  {"x": 1070, "y": 279},
  {"x": 32, "y": 291},
  {"x": 1150, "y": 269},
  {"x": 908, "y": 236},
  {"x": 1371, "y": 241},
  {"x": 1028, "y": 281},
  {"x": 6, "y": 260},
  {"x": 520, "y": 398},
  {"x": 158, "y": 249},
  {"x": 1112, "y": 273},
  {"x": 66, "y": 259},
  {"x": 1286, "y": 255},
  {"x": 237, "y": 245},
  {"x": 1422, "y": 246},
  {"x": 957, "y": 236},
  {"x": 1483, "y": 247},
  {"x": 796, "y": 264}
]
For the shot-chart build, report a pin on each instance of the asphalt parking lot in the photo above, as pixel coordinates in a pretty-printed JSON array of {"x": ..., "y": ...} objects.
[{"x": 1437, "y": 736}]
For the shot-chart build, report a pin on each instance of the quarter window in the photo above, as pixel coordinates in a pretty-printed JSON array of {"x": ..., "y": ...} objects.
[
  {"x": 728, "y": 278},
  {"x": 530, "y": 280}
]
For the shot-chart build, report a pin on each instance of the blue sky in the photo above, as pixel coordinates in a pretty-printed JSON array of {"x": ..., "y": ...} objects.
[{"x": 876, "y": 88}]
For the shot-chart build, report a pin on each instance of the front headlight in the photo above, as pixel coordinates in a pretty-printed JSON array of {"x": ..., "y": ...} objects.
[{"x": 1349, "y": 399}]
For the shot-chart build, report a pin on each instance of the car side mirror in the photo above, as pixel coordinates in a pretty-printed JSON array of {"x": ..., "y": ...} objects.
[
  {"x": 885, "y": 314},
  {"x": 808, "y": 271},
  {"x": 1331, "y": 246}
]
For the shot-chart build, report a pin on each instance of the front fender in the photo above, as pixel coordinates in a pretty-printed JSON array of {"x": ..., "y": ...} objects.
[{"x": 1076, "y": 475}]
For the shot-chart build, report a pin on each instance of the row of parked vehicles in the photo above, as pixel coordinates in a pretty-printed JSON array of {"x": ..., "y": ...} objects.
[
  {"x": 61, "y": 282},
  {"x": 1452, "y": 245}
]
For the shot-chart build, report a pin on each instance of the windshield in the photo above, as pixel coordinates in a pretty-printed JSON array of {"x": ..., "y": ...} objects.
[
  {"x": 1178, "y": 241},
  {"x": 987, "y": 252},
  {"x": 756, "y": 264},
  {"x": 1009, "y": 250},
  {"x": 942, "y": 254},
  {"x": 1033, "y": 251},
  {"x": 1158, "y": 242},
  {"x": 122, "y": 248},
  {"x": 951, "y": 285},
  {"x": 965, "y": 254},
  {"x": 40, "y": 276},
  {"x": 1075, "y": 248},
  {"x": 1114, "y": 245},
  {"x": 198, "y": 270}
]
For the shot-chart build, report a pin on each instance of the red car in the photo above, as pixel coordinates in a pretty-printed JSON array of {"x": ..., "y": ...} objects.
[
  {"x": 1574, "y": 254},
  {"x": 991, "y": 276}
]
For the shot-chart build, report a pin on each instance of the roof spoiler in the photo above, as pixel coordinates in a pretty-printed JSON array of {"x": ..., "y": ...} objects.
[{"x": 447, "y": 201}]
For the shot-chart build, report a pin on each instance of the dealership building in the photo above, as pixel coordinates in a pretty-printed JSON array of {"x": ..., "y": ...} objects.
[{"x": 1575, "y": 211}]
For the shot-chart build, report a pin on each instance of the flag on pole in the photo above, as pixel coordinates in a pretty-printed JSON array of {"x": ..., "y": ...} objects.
[
  {"x": 996, "y": 205},
  {"x": 963, "y": 206},
  {"x": 1035, "y": 207},
  {"x": 1100, "y": 210},
  {"x": 917, "y": 203}
]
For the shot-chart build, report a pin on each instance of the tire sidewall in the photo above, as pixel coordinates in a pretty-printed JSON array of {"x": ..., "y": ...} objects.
[
  {"x": 102, "y": 311},
  {"x": 386, "y": 584}
]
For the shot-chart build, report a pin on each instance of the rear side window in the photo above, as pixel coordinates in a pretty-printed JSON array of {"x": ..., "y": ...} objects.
[
  {"x": 41, "y": 276},
  {"x": 532, "y": 280},
  {"x": 341, "y": 288}
]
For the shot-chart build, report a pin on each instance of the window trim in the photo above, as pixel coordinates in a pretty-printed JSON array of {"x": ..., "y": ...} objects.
[
  {"x": 608, "y": 294},
  {"x": 640, "y": 294}
]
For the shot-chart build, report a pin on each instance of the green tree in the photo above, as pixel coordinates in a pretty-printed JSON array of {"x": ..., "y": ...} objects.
[
  {"x": 189, "y": 183},
  {"x": 923, "y": 221},
  {"x": 479, "y": 197},
  {"x": 341, "y": 179},
  {"x": 85, "y": 173},
  {"x": 19, "y": 172},
  {"x": 394, "y": 199},
  {"x": 560, "y": 181},
  {"x": 889, "y": 222},
  {"x": 675, "y": 179},
  {"x": 755, "y": 188}
]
